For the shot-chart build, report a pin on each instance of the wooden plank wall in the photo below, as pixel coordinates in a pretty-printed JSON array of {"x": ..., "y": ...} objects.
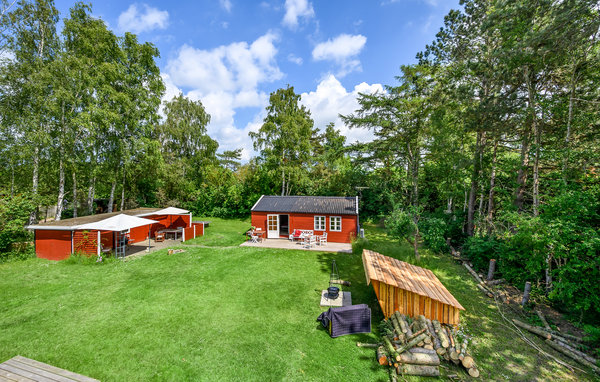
[{"x": 393, "y": 299}]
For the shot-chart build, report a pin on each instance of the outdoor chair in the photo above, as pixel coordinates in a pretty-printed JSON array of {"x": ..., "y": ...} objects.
[
  {"x": 323, "y": 239},
  {"x": 310, "y": 241},
  {"x": 160, "y": 237},
  {"x": 296, "y": 235},
  {"x": 253, "y": 238}
]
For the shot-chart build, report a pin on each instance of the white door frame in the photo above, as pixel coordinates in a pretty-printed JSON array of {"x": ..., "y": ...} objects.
[{"x": 270, "y": 233}]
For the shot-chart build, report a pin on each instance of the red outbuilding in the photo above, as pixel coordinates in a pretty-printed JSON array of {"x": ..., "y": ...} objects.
[
  {"x": 57, "y": 240},
  {"x": 279, "y": 216}
]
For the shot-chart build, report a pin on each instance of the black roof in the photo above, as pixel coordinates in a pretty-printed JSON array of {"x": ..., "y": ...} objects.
[{"x": 335, "y": 205}]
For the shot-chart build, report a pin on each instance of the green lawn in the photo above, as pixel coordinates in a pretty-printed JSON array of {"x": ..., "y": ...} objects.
[{"x": 224, "y": 313}]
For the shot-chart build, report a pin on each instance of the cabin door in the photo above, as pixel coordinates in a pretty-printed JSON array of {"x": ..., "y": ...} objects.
[{"x": 273, "y": 226}]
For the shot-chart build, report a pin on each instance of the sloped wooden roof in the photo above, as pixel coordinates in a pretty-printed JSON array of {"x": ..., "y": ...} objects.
[{"x": 406, "y": 276}]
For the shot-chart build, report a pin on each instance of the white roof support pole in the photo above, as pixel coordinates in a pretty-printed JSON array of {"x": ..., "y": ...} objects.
[
  {"x": 72, "y": 246},
  {"x": 183, "y": 235},
  {"x": 194, "y": 231},
  {"x": 98, "y": 243},
  {"x": 190, "y": 219}
]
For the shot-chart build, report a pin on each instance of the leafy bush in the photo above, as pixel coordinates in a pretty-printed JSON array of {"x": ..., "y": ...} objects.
[
  {"x": 434, "y": 232},
  {"x": 400, "y": 225},
  {"x": 14, "y": 214},
  {"x": 358, "y": 244}
]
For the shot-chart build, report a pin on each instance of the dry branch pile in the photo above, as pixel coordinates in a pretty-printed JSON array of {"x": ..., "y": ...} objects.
[{"x": 415, "y": 346}]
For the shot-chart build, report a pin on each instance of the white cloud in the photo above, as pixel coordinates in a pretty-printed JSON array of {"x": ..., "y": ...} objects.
[
  {"x": 343, "y": 51},
  {"x": 331, "y": 99},
  {"x": 228, "y": 68},
  {"x": 138, "y": 20},
  {"x": 224, "y": 79},
  {"x": 295, "y": 9},
  {"x": 295, "y": 59},
  {"x": 226, "y": 4}
]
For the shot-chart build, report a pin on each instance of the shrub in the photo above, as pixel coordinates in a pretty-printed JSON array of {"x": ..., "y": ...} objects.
[
  {"x": 434, "y": 232},
  {"x": 14, "y": 214}
]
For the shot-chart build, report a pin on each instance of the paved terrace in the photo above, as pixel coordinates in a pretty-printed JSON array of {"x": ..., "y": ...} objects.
[{"x": 286, "y": 244}]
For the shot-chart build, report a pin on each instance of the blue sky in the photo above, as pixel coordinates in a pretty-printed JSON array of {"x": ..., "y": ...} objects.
[{"x": 231, "y": 54}]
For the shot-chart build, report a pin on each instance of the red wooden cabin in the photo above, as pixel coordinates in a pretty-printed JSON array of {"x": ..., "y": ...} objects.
[
  {"x": 279, "y": 216},
  {"x": 57, "y": 240}
]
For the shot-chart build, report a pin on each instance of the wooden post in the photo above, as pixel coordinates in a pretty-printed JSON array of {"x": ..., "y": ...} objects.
[
  {"x": 98, "y": 244},
  {"x": 526, "y": 293},
  {"x": 491, "y": 270}
]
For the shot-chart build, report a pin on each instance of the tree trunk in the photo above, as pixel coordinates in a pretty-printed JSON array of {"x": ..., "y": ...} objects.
[
  {"x": 574, "y": 356},
  {"x": 422, "y": 370},
  {"x": 111, "y": 199},
  {"x": 525, "y": 143},
  {"x": 61, "y": 186},
  {"x": 123, "y": 191},
  {"x": 441, "y": 334},
  {"x": 12, "y": 178},
  {"x": 401, "y": 322},
  {"x": 474, "y": 182},
  {"x": 526, "y": 293},
  {"x": 536, "y": 168},
  {"x": 410, "y": 344},
  {"x": 548, "y": 271},
  {"x": 491, "y": 270},
  {"x": 539, "y": 331},
  {"x": 568, "y": 134},
  {"x": 490, "y": 211},
  {"x": 422, "y": 351},
  {"x": 420, "y": 358},
  {"x": 74, "y": 194},
  {"x": 90, "y": 197},
  {"x": 416, "y": 243},
  {"x": 381, "y": 357},
  {"x": 35, "y": 182},
  {"x": 282, "y": 182}
]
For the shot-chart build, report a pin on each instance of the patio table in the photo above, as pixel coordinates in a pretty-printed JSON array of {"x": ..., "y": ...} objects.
[
  {"x": 172, "y": 231},
  {"x": 260, "y": 234}
]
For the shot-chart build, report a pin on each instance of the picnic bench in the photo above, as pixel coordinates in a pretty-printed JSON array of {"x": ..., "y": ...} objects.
[{"x": 24, "y": 369}]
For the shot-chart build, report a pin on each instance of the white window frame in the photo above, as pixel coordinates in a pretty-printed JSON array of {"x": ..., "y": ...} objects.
[
  {"x": 322, "y": 226},
  {"x": 332, "y": 219}
]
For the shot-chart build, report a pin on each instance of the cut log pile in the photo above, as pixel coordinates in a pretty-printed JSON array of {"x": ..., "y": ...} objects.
[
  {"x": 566, "y": 344},
  {"x": 416, "y": 346}
]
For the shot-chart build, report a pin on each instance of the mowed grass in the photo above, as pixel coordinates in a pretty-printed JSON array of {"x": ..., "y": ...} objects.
[
  {"x": 227, "y": 313},
  {"x": 222, "y": 232}
]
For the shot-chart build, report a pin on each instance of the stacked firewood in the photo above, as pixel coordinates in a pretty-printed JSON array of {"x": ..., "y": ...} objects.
[{"x": 415, "y": 346}]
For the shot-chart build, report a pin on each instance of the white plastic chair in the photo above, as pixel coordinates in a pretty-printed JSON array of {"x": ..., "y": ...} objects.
[{"x": 323, "y": 239}]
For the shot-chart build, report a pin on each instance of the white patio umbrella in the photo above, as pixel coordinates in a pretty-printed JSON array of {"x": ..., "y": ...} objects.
[{"x": 118, "y": 223}]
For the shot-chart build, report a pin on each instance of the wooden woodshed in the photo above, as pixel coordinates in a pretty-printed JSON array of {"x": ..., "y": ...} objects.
[{"x": 409, "y": 289}]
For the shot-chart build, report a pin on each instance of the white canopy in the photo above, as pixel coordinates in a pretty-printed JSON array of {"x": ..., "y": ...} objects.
[
  {"x": 119, "y": 222},
  {"x": 168, "y": 211}
]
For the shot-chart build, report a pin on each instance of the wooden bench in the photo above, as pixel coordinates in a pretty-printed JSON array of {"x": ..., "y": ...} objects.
[{"x": 24, "y": 369}]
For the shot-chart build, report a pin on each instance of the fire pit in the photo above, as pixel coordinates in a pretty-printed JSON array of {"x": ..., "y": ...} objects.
[{"x": 333, "y": 292}]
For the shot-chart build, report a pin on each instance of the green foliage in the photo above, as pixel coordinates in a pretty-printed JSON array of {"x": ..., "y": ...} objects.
[
  {"x": 401, "y": 225},
  {"x": 14, "y": 214},
  {"x": 434, "y": 232}
]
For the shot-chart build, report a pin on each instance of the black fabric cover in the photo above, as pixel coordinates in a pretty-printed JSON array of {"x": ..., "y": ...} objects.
[{"x": 346, "y": 320}]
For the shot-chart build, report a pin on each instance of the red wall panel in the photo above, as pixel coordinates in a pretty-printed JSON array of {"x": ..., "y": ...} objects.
[
  {"x": 199, "y": 229},
  {"x": 85, "y": 241},
  {"x": 306, "y": 221},
  {"x": 52, "y": 244},
  {"x": 138, "y": 234}
]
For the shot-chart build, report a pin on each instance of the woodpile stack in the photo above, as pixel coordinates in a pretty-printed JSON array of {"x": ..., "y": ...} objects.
[{"x": 416, "y": 346}]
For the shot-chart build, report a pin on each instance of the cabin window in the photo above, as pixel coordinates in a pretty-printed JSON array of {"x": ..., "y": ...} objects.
[
  {"x": 319, "y": 223},
  {"x": 335, "y": 223}
]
